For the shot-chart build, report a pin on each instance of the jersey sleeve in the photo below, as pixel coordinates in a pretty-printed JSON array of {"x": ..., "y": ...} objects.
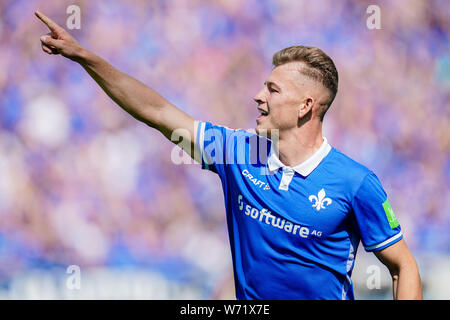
[
  {"x": 213, "y": 142},
  {"x": 374, "y": 217}
]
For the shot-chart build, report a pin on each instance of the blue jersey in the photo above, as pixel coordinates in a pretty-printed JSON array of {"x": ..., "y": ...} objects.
[{"x": 294, "y": 231}]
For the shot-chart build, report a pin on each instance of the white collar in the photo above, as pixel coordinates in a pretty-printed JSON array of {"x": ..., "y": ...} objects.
[{"x": 304, "y": 168}]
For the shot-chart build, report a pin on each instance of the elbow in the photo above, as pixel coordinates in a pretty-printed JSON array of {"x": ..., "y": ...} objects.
[
  {"x": 149, "y": 115},
  {"x": 406, "y": 275},
  {"x": 394, "y": 270}
]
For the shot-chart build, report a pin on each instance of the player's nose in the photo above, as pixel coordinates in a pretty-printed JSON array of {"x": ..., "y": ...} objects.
[{"x": 259, "y": 98}]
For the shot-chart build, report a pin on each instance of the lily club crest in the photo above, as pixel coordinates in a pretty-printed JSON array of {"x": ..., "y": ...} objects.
[{"x": 320, "y": 201}]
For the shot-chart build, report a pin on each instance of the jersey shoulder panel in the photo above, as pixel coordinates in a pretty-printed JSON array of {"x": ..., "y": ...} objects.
[{"x": 347, "y": 166}]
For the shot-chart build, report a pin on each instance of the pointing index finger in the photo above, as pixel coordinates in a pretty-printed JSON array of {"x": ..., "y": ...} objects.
[{"x": 48, "y": 22}]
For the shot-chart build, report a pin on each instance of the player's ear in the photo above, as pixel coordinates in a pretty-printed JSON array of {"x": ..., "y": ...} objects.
[{"x": 305, "y": 107}]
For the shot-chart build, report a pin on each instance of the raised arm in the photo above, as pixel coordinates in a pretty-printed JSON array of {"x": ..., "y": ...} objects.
[
  {"x": 139, "y": 100},
  {"x": 406, "y": 281}
]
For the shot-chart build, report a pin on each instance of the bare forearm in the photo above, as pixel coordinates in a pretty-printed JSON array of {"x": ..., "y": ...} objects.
[
  {"x": 139, "y": 100},
  {"x": 142, "y": 102}
]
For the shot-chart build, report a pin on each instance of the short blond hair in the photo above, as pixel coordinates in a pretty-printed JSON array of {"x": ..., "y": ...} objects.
[{"x": 317, "y": 65}]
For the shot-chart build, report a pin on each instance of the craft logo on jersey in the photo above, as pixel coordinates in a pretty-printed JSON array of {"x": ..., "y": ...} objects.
[
  {"x": 320, "y": 201},
  {"x": 256, "y": 182}
]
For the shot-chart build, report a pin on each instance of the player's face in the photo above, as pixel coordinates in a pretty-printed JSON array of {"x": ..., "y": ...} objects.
[{"x": 279, "y": 100}]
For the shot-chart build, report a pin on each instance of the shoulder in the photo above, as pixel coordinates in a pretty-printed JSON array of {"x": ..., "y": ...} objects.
[
  {"x": 350, "y": 172},
  {"x": 208, "y": 127},
  {"x": 348, "y": 165}
]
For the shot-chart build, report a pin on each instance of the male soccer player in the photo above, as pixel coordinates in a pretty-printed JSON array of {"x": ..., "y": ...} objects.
[{"x": 295, "y": 219}]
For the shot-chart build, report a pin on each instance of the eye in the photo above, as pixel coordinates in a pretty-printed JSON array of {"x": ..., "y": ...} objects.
[{"x": 272, "y": 89}]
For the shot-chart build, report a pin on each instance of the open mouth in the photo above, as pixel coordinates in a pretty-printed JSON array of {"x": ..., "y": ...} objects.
[{"x": 262, "y": 114}]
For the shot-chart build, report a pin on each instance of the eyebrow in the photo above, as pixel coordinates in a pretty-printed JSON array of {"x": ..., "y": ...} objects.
[{"x": 271, "y": 83}]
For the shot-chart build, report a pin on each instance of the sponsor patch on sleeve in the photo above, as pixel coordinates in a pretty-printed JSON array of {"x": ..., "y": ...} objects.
[{"x": 393, "y": 223}]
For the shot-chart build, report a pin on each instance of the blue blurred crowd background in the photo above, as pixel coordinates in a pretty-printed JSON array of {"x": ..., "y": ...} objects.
[{"x": 83, "y": 183}]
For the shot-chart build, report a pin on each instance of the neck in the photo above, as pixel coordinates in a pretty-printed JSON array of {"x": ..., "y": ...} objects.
[{"x": 298, "y": 145}]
